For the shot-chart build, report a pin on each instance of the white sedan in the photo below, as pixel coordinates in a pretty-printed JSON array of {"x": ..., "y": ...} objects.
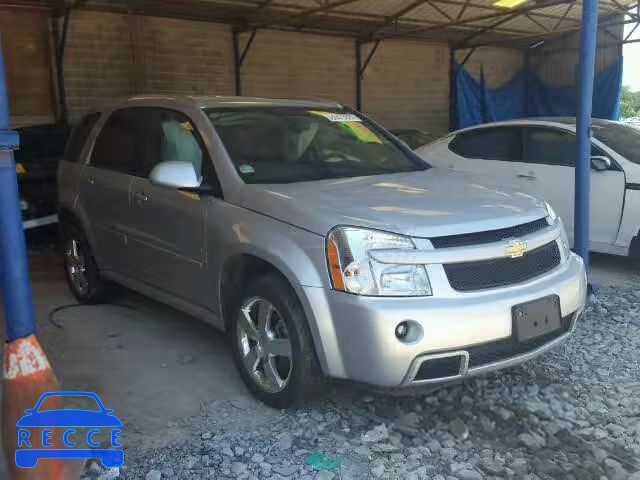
[{"x": 537, "y": 156}]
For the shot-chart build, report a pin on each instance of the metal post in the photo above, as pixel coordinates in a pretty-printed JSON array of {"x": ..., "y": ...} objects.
[
  {"x": 60, "y": 42},
  {"x": 14, "y": 271},
  {"x": 238, "y": 57},
  {"x": 358, "y": 75},
  {"x": 453, "y": 75},
  {"x": 236, "y": 63},
  {"x": 362, "y": 67},
  {"x": 588, "y": 38},
  {"x": 27, "y": 373}
]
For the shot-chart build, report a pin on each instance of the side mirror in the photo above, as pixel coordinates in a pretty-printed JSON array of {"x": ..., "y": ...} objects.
[
  {"x": 600, "y": 163},
  {"x": 175, "y": 175}
]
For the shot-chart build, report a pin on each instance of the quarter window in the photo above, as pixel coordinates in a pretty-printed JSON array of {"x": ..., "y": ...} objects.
[
  {"x": 115, "y": 147},
  {"x": 496, "y": 143},
  {"x": 79, "y": 137}
]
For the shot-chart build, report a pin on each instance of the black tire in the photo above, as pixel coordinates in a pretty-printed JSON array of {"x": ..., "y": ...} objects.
[
  {"x": 96, "y": 289},
  {"x": 306, "y": 378}
]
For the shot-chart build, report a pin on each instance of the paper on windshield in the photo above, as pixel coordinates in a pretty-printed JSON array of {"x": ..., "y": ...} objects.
[
  {"x": 337, "y": 117},
  {"x": 352, "y": 123}
]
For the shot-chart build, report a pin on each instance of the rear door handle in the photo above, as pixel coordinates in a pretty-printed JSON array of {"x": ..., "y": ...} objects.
[
  {"x": 528, "y": 177},
  {"x": 140, "y": 196}
]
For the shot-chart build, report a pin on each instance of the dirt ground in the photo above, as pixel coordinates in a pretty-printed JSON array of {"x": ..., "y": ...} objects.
[{"x": 155, "y": 365}]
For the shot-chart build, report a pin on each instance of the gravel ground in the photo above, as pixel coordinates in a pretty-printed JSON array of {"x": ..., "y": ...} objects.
[{"x": 571, "y": 414}]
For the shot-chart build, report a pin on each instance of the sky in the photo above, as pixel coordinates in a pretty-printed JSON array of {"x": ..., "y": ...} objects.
[{"x": 631, "y": 66}]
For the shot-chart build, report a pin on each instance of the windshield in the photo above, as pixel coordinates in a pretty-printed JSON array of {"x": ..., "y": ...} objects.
[
  {"x": 624, "y": 139},
  {"x": 284, "y": 145}
]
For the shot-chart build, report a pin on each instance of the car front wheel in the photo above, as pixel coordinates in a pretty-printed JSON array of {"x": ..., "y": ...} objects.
[{"x": 272, "y": 345}]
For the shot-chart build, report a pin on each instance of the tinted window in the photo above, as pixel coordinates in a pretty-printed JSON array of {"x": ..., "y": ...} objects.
[
  {"x": 134, "y": 140},
  {"x": 284, "y": 144},
  {"x": 499, "y": 143},
  {"x": 79, "y": 137},
  {"x": 414, "y": 138},
  {"x": 550, "y": 146},
  {"x": 115, "y": 147},
  {"x": 553, "y": 146},
  {"x": 624, "y": 139}
]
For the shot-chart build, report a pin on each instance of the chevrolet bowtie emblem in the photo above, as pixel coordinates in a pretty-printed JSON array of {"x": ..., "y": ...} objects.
[{"x": 516, "y": 248}]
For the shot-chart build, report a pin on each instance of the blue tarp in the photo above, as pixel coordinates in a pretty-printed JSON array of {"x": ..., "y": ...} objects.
[{"x": 528, "y": 96}]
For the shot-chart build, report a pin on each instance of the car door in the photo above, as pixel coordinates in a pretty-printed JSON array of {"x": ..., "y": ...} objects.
[
  {"x": 494, "y": 153},
  {"x": 550, "y": 154},
  {"x": 167, "y": 234},
  {"x": 104, "y": 190}
]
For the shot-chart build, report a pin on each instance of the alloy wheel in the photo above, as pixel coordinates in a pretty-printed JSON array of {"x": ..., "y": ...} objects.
[
  {"x": 264, "y": 344},
  {"x": 76, "y": 266}
]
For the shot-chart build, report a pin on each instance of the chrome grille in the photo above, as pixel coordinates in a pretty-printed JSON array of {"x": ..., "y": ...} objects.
[
  {"x": 499, "y": 272},
  {"x": 489, "y": 236}
]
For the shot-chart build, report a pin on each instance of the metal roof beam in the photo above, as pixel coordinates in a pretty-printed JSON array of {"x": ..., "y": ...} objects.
[
  {"x": 484, "y": 6},
  {"x": 530, "y": 17},
  {"x": 440, "y": 11},
  {"x": 285, "y": 19},
  {"x": 554, "y": 37},
  {"x": 626, "y": 39},
  {"x": 623, "y": 9},
  {"x": 509, "y": 14},
  {"x": 564, "y": 15},
  {"x": 464, "y": 42},
  {"x": 463, "y": 9}
]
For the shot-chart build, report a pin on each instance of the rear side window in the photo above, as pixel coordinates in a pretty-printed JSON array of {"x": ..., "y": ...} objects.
[
  {"x": 115, "y": 147},
  {"x": 79, "y": 136},
  {"x": 552, "y": 146},
  {"x": 499, "y": 143}
]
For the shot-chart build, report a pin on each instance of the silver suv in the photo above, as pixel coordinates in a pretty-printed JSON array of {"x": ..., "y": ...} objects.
[{"x": 317, "y": 240}]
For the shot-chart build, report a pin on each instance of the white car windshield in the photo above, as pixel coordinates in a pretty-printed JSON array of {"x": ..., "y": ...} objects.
[
  {"x": 624, "y": 139},
  {"x": 284, "y": 145}
]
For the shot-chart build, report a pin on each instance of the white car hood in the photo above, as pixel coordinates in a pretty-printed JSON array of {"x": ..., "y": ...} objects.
[{"x": 427, "y": 203}]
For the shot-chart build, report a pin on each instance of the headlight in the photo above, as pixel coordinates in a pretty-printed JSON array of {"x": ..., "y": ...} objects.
[{"x": 353, "y": 270}]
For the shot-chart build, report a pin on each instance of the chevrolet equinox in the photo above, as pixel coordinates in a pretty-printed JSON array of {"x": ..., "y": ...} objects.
[{"x": 318, "y": 241}]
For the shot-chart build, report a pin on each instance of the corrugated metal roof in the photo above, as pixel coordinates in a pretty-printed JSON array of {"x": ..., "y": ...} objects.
[{"x": 469, "y": 21}]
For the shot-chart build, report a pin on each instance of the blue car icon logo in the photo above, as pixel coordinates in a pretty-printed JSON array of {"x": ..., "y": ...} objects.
[{"x": 68, "y": 419}]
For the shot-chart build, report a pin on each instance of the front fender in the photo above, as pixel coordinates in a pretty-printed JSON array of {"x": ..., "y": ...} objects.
[{"x": 296, "y": 253}]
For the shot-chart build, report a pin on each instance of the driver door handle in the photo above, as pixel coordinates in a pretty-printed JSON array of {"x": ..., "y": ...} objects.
[
  {"x": 528, "y": 177},
  {"x": 141, "y": 196}
]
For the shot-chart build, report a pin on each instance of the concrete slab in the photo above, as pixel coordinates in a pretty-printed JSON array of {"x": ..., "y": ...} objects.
[
  {"x": 147, "y": 361},
  {"x": 612, "y": 270},
  {"x": 156, "y": 366}
]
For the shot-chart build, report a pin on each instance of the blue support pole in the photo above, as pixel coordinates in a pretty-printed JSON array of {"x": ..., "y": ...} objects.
[
  {"x": 588, "y": 39},
  {"x": 15, "y": 284}
]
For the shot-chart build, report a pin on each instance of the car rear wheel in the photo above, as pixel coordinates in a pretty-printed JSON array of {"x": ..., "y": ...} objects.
[
  {"x": 80, "y": 267},
  {"x": 272, "y": 345}
]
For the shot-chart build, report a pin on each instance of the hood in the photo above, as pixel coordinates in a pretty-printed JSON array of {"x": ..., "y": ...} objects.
[{"x": 427, "y": 203}]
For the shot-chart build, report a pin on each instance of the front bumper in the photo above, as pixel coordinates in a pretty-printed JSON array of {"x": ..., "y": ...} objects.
[{"x": 357, "y": 334}]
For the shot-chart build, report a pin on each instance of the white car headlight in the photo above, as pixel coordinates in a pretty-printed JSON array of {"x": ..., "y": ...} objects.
[
  {"x": 551, "y": 212},
  {"x": 353, "y": 270},
  {"x": 564, "y": 241}
]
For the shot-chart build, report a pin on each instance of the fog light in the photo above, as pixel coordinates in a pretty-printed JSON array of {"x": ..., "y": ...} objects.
[{"x": 402, "y": 330}]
